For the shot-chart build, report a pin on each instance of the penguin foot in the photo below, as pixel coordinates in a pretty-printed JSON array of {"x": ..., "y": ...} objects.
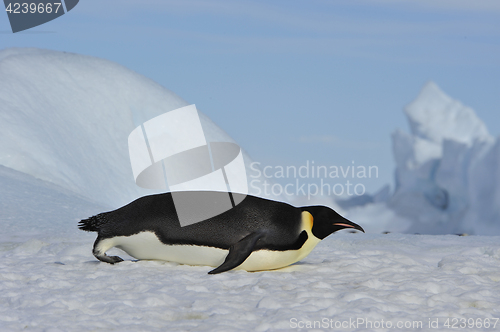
[
  {"x": 109, "y": 259},
  {"x": 115, "y": 259}
]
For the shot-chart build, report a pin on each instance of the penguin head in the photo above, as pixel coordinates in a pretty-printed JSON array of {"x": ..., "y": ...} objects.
[{"x": 326, "y": 221}]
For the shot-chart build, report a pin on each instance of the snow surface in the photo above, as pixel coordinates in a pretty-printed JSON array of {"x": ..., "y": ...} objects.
[
  {"x": 49, "y": 280},
  {"x": 64, "y": 120}
]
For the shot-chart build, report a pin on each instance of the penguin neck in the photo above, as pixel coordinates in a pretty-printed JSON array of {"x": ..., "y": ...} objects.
[{"x": 312, "y": 241}]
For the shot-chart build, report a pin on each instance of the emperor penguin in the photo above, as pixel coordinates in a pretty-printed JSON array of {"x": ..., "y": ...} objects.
[{"x": 255, "y": 235}]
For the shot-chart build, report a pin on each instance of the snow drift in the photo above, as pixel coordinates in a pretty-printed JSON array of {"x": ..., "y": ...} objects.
[
  {"x": 65, "y": 119},
  {"x": 448, "y": 168}
]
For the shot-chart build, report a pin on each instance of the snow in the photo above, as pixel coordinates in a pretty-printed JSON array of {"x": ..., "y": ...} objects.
[
  {"x": 64, "y": 121},
  {"x": 51, "y": 282},
  {"x": 65, "y": 118},
  {"x": 30, "y": 208}
]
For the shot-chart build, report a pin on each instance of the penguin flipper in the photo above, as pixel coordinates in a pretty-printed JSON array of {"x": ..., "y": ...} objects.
[{"x": 238, "y": 252}]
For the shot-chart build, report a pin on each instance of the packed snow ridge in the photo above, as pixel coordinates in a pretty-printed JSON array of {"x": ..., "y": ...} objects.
[{"x": 65, "y": 119}]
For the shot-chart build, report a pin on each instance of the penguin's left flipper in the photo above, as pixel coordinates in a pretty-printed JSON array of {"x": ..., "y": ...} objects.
[{"x": 238, "y": 252}]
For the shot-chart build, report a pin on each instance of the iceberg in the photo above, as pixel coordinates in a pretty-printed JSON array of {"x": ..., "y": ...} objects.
[{"x": 447, "y": 168}]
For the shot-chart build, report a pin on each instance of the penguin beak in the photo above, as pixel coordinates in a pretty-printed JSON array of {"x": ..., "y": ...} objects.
[{"x": 347, "y": 224}]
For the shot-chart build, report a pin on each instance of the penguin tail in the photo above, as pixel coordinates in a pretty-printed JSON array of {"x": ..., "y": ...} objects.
[{"x": 93, "y": 224}]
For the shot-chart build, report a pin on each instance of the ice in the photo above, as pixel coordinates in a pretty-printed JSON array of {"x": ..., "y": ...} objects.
[
  {"x": 380, "y": 196},
  {"x": 447, "y": 175},
  {"x": 434, "y": 116}
]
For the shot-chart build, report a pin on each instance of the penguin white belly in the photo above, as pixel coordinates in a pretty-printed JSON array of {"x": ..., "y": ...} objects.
[
  {"x": 269, "y": 259},
  {"x": 146, "y": 245}
]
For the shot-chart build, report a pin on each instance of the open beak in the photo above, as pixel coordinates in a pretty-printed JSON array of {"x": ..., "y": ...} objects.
[{"x": 347, "y": 224}]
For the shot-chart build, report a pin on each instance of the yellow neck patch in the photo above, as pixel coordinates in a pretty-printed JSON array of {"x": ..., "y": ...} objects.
[
  {"x": 307, "y": 222},
  {"x": 312, "y": 241}
]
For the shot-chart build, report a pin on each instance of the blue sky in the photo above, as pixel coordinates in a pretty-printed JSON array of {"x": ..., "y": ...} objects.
[{"x": 293, "y": 81}]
